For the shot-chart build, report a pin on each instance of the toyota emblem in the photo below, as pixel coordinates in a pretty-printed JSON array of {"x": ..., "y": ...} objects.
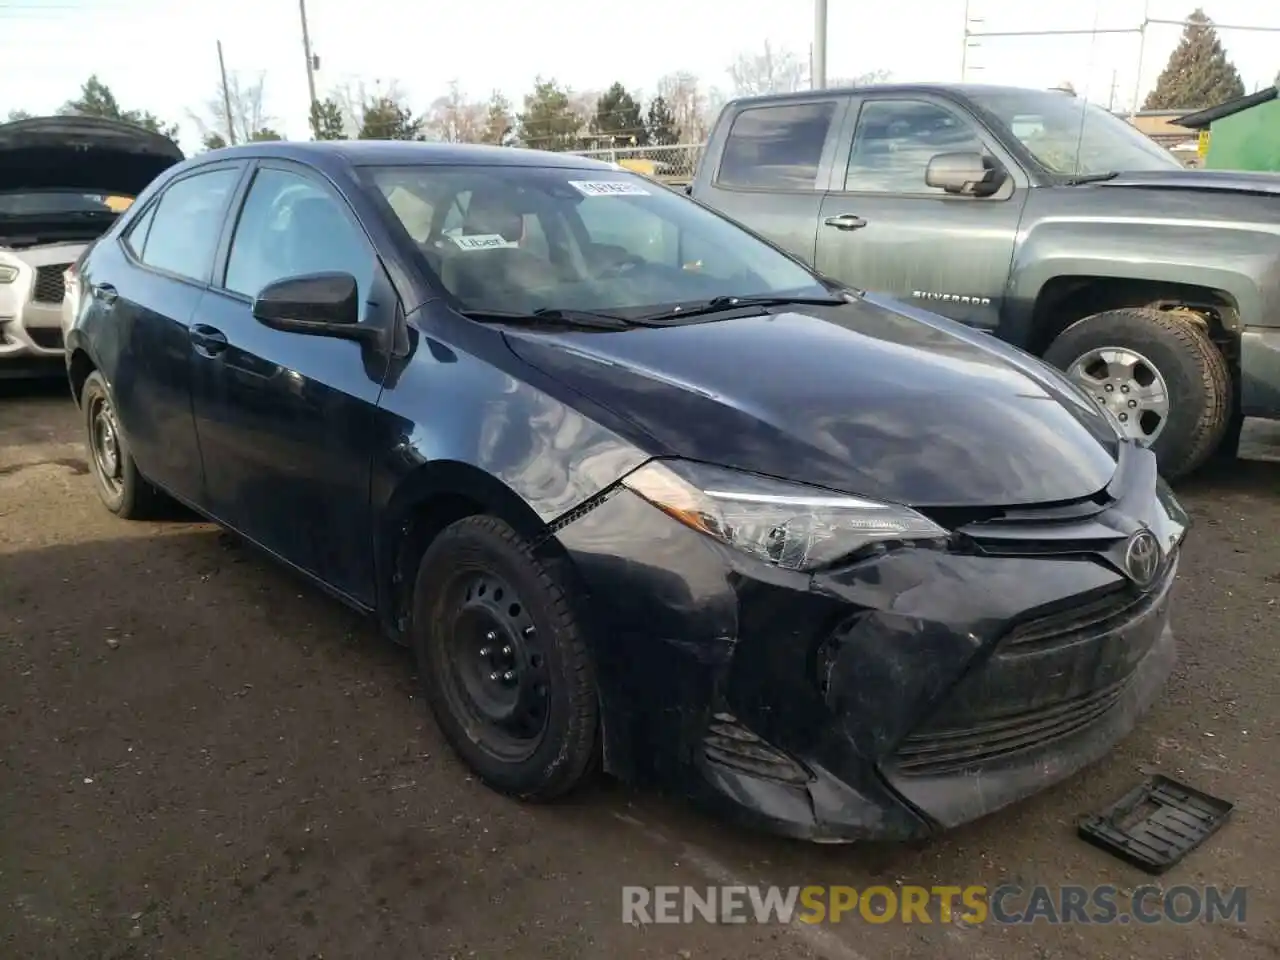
[{"x": 1142, "y": 558}]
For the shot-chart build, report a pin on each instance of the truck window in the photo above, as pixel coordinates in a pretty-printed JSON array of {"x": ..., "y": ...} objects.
[
  {"x": 777, "y": 147},
  {"x": 896, "y": 139}
]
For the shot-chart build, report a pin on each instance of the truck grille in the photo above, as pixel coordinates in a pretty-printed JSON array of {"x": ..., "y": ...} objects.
[
  {"x": 944, "y": 750},
  {"x": 49, "y": 285}
]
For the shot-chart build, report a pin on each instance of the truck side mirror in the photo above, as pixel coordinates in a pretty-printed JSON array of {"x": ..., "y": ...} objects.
[{"x": 966, "y": 174}]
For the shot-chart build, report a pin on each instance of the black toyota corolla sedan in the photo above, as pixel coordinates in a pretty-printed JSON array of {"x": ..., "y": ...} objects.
[{"x": 636, "y": 486}]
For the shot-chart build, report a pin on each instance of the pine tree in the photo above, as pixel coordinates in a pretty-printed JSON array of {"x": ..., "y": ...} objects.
[
  {"x": 618, "y": 120},
  {"x": 326, "y": 120},
  {"x": 1198, "y": 74}
]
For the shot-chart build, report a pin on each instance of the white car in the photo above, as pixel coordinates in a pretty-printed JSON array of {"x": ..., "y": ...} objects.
[{"x": 63, "y": 182}]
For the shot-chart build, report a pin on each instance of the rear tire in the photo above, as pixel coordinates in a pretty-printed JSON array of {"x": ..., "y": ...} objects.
[
  {"x": 503, "y": 661},
  {"x": 1151, "y": 343},
  {"x": 121, "y": 487}
]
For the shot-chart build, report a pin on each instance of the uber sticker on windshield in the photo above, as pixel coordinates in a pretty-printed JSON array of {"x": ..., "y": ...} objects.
[
  {"x": 608, "y": 188},
  {"x": 482, "y": 241}
]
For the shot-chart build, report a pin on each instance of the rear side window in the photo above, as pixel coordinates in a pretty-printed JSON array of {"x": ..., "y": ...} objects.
[
  {"x": 184, "y": 229},
  {"x": 777, "y": 147},
  {"x": 135, "y": 237}
]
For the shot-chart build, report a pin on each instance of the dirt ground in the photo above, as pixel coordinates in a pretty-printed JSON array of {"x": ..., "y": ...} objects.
[{"x": 202, "y": 757}]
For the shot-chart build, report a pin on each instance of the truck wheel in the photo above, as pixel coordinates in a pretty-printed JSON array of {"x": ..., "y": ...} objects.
[
  {"x": 1162, "y": 377},
  {"x": 503, "y": 660}
]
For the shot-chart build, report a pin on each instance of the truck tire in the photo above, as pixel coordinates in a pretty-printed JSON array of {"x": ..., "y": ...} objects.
[{"x": 1162, "y": 376}]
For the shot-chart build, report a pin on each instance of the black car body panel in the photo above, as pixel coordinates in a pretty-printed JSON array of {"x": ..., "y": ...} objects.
[
  {"x": 790, "y": 697},
  {"x": 799, "y": 395}
]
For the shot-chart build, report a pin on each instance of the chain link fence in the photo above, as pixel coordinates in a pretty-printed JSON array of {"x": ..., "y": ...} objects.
[{"x": 671, "y": 164}]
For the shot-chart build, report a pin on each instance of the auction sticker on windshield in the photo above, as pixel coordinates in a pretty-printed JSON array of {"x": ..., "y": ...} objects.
[
  {"x": 608, "y": 188},
  {"x": 482, "y": 241}
]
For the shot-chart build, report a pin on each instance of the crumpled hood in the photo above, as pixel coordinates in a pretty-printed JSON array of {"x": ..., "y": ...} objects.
[
  {"x": 82, "y": 153},
  {"x": 873, "y": 398}
]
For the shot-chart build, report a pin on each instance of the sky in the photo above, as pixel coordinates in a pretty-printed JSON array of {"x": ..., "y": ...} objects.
[{"x": 161, "y": 55}]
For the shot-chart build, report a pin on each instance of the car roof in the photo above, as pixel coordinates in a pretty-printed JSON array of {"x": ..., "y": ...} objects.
[{"x": 362, "y": 153}]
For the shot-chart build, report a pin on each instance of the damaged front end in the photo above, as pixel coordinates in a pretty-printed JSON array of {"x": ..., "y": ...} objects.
[{"x": 905, "y": 685}]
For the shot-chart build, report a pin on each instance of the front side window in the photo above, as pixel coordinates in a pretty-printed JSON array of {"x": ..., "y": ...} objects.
[
  {"x": 185, "y": 227},
  {"x": 777, "y": 147},
  {"x": 1068, "y": 135},
  {"x": 292, "y": 226},
  {"x": 520, "y": 238},
  {"x": 895, "y": 140}
]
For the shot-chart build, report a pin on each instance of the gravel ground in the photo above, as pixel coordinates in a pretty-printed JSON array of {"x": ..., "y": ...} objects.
[{"x": 202, "y": 757}]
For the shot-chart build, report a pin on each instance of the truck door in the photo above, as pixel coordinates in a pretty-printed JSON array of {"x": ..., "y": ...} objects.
[
  {"x": 883, "y": 229},
  {"x": 774, "y": 167}
]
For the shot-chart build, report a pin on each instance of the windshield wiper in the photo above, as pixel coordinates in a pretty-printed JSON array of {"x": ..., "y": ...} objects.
[
  {"x": 1091, "y": 178},
  {"x": 548, "y": 315},
  {"x": 716, "y": 304}
]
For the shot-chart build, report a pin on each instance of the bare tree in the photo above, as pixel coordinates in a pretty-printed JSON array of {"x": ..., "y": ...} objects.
[
  {"x": 861, "y": 80},
  {"x": 456, "y": 119},
  {"x": 688, "y": 105},
  {"x": 774, "y": 70},
  {"x": 248, "y": 119},
  {"x": 354, "y": 98}
]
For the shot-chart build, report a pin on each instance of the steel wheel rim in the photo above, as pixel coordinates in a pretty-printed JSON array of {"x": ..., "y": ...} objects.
[
  {"x": 495, "y": 672},
  {"x": 104, "y": 444},
  {"x": 1128, "y": 384}
]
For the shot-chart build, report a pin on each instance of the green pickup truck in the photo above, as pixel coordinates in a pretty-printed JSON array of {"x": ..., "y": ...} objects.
[{"x": 1039, "y": 218}]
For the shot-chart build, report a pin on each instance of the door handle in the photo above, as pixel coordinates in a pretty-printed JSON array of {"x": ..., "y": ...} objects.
[
  {"x": 105, "y": 292},
  {"x": 845, "y": 221},
  {"x": 208, "y": 341}
]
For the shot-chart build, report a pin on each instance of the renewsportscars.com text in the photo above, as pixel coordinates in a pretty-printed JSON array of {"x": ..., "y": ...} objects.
[{"x": 973, "y": 904}]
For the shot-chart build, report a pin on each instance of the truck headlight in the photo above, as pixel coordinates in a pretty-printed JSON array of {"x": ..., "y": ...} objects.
[
  {"x": 8, "y": 274},
  {"x": 791, "y": 525}
]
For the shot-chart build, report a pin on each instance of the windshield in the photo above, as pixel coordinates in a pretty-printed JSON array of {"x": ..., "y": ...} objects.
[
  {"x": 520, "y": 239},
  {"x": 46, "y": 203},
  {"x": 1069, "y": 135}
]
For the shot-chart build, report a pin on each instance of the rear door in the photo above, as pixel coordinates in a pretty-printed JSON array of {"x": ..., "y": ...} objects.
[
  {"x": 775, "y": 164},
  {"x": 143, "y": 292},
  {"x": 285, "y": 420},
  {"x": 883, "y": 229}
]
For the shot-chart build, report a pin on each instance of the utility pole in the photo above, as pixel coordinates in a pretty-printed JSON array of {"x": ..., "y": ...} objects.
[
  {"x": 1142, "y": 56},
  {"x": 818, "y": 79},
  {"x": 226, "y": 97},
  {"x": 964, "y": 40},
  {"x": 311, "y": 60}
]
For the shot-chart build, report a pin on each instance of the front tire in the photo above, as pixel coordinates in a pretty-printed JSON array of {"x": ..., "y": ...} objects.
[
  {"x": 121, "y": 487},
  {"x": 503, "y": 660},
  {"x": 1163, "y": 378}
]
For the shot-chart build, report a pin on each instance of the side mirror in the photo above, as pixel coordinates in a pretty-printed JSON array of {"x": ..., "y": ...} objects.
[
  {"x": 321, "y": 304},
  {"x": 966, "y": 174}
]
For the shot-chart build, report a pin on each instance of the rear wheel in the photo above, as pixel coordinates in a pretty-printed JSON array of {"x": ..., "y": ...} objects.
[
  {"x": 1162, "y": 377},
  {"x": 503, "y": 661},
  {"x": 121, "y": 487}
]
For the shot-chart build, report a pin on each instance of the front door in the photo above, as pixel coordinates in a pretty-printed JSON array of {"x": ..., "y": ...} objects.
[
  {"x": 883, "y": 229},
  {"x": 285, "y": 419}
]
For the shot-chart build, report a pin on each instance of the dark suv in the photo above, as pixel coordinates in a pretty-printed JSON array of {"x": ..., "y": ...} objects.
[{"x": 634, "y": 484}]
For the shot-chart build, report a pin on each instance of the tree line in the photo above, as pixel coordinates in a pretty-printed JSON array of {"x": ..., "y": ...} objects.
[{"x": 553, "y": 116}]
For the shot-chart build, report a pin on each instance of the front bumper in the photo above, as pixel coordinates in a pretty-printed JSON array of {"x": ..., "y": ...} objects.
[
  {"x": 32, "y": 309},
  {"x": 897, "y": 697}
]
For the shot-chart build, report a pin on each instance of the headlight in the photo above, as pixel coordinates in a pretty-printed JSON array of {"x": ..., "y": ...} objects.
[
  {"x": 787, "y": 524},
  {"x": 8, "y": 274}
]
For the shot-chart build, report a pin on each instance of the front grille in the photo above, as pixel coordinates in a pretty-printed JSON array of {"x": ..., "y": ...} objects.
[
  {"x": 1109, "y": 613},
  {"x": 50, "y": 338},
  {"x": 947, "y": 750},
  {"x": 49, "y": 285},
  {"x": 730, "y": 744}
]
